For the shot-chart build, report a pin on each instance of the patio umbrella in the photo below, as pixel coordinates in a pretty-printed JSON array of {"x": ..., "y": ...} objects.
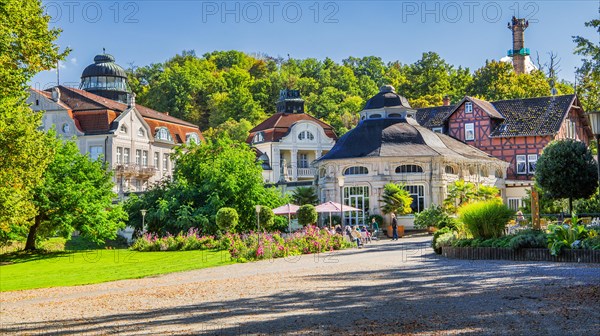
[
  {"x": 287, "y": 209},
  {"x": 334, "y": 207}
]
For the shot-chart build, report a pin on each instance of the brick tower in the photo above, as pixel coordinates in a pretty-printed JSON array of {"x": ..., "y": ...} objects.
[{"x": 518, "y": 51}]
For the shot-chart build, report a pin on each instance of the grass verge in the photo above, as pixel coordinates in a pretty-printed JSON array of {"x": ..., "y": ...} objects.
[{"x": 22, "y": 270}]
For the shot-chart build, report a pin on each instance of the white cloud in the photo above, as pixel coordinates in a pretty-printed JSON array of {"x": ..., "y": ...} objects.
[{"x": 74, "y": 60}]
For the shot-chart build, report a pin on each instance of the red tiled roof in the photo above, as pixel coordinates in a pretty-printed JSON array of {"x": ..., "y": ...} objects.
[
  {"x": 95, "y": 114},
  {"x": 279, "y": 124}
]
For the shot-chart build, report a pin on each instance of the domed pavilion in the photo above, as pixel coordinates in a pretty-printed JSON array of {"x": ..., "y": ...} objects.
[{"x": 388, "y": 145}]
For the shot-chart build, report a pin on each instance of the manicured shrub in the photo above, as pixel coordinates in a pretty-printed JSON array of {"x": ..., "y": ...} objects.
[
  {"x": 266, "y": 218},
  {"x": 436, "y": 236},
  {"x": 227, "y": 219},
  {"x": 485, "y": 219},
  {"x": 528, "y": 239},
  {"x": 444, "y": 239},
  {"x": 307, "y": 214},
  {"x": 434, "y": 216}
]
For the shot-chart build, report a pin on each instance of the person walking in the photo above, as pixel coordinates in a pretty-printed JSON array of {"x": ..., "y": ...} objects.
[{"x": 394, "y": 227}]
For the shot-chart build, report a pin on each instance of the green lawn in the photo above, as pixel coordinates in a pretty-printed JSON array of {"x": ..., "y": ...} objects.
[{"x": 28, "y": 271}]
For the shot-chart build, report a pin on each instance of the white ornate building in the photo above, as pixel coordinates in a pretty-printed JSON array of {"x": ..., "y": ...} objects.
[
  {"x": 135, "y": 141},
  {"x": 290, "y": 140},
  {"x": 388, "y": 145}
]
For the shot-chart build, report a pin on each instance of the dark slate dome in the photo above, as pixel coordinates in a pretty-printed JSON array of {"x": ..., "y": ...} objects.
[
  {"x": 387, "y": 97},
  {"x": 391, "y": 137},
  {"x": 380, "y": 137},
  {"x": 104, "y": 65}
]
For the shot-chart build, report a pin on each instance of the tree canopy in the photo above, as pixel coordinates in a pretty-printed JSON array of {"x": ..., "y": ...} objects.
[
  {"x": 230, "y": 91},
  {"x": 567, "y": 169},
  {"x": 75, "y": 194},
  {"x": 26, "y": 47},
  {"x": 214, "y": 174}
]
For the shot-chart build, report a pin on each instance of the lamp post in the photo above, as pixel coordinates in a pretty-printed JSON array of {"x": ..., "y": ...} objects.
[
  {"x": 143, "y": 211},
  {"x": 341, "y": 184},
  {"x": 257, "y": 207},
  {"x": 594, "y": 118}
]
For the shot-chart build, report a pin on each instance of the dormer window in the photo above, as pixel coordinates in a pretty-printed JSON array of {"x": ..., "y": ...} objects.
[
  {"x": 141, "y": 133},
  {"x": 306, "y": 135},
  {"x": 162, "y": 133},
  {"x": 468, "y": 107},
  {"x": 258, "y": 137},
  {"x": 192, "y": 138},
  {"x": 375, "y": 116},
  {"x": 123, "y": 129}
]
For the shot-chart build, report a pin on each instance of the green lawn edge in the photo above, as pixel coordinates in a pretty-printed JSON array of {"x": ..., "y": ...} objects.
[{"x": 45, "y": 270}]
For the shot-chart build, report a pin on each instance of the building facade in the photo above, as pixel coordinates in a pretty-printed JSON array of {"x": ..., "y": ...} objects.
[
  {"x": 290, "y": 140},
  {"x": 515, "y": 131},
  {"x": 135, "y": 141},
  {"x": 389, "y": 145}
]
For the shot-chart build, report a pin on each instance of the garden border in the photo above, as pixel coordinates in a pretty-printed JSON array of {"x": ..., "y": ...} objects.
[{"x": 524, "y": 254}]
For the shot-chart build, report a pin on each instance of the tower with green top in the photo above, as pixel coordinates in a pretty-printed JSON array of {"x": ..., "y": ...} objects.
[{"x": 518, "y": 52}]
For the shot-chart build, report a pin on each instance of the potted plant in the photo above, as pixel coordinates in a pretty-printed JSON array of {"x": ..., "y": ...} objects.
[
  {"x": 430, "y": 218},
  {"x": 395, "y": 199}
]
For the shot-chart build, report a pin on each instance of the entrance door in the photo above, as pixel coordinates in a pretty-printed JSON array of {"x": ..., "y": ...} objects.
[{"x": 356, "y": 217}]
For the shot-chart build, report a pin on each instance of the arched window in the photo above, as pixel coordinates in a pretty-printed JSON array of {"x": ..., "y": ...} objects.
[
  {"x": 450, "y": 170},
  {"x": 162, "y": 133},
  {"x": 472, "y": 170},
  {"x": 141, "y": 133},
  {"x": 306, "y": 135},
  {"x": 499, "y": 173},
  {"x": 356, "y": 170},
  {"x": 123, "y": 129},
  {"x": 484, "y": 171},
  {"x": 408, "y": 169},
  {"x": 375, "y": 116},
  {"x": 258, "y": 137},
  {"x": 192, "y": 137},
  {"x": 394, "y": 115}
]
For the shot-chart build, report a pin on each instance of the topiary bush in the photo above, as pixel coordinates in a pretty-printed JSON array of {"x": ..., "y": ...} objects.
[
  {"x": 227, "y": 219},
  {"x": 307, "y": 214},
  {"x": 485, "y": 219},
  {"x": 266, "y": 218},
  {"x": 436, "y": 236}
]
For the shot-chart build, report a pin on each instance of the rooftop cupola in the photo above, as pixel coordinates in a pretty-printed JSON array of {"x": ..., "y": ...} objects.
[
  {"x": 387, "y": 104},
  {"x": 105, "y": 78},
  {"x": 290, "y": 102}
]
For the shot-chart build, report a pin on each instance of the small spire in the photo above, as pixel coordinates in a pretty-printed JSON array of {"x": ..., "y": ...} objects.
[{"x": 104, "y": 50}]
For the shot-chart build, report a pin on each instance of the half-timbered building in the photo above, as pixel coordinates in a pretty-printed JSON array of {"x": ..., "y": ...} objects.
[{"x": 515, "y": 131}]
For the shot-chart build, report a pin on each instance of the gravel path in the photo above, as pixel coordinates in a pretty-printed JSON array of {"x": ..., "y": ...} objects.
[{"x": 386, "y": 288}]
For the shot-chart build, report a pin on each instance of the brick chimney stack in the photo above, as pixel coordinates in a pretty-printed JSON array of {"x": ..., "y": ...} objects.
[
  {"x": 518, "y": 51},
  {"x": 446, "y": 100}
]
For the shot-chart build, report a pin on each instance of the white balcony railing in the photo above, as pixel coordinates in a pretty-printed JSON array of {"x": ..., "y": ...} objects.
[{"x": 302, "y": 172}]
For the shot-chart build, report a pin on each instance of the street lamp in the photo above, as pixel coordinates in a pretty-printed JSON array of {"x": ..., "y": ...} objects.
[
  {"x": 143, "y": 211},
  {"x": 257, "y": 207},
  {"x": 594, "y": 118},
  {"x": 341, "y": 184}
]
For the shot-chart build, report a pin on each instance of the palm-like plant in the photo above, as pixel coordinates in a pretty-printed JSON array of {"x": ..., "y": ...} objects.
[
  {"x": 396, "y": 199},
  {"x": 459, "y": 193},
  {"x": 305, "y": 195}
]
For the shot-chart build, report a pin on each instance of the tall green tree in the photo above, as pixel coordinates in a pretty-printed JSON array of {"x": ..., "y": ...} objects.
[
  {"x": 567, "y": 169},
  {"x": 26, "y": 47},
  {"x": 588, "y": 74},
  {"x": 75, "y": 194},
  {"x": 215, "y": 174}
]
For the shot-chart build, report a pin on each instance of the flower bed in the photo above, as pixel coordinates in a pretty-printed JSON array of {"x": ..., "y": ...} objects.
[
  {"x": 251, "y": 246},
  {"x": 254, "y": 246},
  {"x": 182, "y": 242}
]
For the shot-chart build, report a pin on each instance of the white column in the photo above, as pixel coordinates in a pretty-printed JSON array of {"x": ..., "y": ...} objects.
[
  {"x": 276, "y": 165},
  {"x": 294, "y": 164}
]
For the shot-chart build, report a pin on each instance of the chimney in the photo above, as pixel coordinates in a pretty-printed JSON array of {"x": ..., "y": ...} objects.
[
  {"x": 167, "y": 113},
  {"x": 446, "y": 100},
  {"x": 131, "y": 100},
  {"x": 55, "y": 94},
  {"x": 518, "y": 51}
]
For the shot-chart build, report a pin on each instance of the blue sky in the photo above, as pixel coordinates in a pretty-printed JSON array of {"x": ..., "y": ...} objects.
[{"x": 464, "y": 33}]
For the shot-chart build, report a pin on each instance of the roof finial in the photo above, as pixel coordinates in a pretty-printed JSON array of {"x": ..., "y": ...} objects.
[{"x": 104, "y": 50}]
